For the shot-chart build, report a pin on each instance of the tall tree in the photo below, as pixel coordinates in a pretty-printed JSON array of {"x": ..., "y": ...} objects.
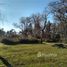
[
  {"x": 59, "y": 11},
  {"x": 36, "y": 19},
  {"x": 44, "y": 21}
]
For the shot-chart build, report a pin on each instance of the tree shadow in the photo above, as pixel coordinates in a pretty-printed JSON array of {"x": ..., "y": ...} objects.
[
  {"x": 5, "y": 62},
  {"x": 59, "y": 45}
]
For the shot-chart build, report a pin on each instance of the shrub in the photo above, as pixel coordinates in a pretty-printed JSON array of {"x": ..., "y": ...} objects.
[
  {"x": 9, "y": 42},
  {"x": 21, "y": 41},
  {"x": 29, "y": 41}
]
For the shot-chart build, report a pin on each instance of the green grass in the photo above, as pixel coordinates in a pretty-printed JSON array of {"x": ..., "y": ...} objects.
[{"x": 27, "y": 55}]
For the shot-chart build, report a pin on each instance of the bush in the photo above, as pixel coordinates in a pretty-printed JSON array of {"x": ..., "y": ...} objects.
[
  {"x": 27, "y": 41},
  {"x": 9, "y": 42},
  {"x": 55, "y": 38},
  {"x": 21, "y": 41}
]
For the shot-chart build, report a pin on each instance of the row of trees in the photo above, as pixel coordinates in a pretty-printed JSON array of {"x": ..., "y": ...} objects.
[{"x": 37, "y": 26}]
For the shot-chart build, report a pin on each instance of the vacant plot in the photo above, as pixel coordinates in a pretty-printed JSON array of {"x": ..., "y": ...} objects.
[{"x": 33, "y": 55}]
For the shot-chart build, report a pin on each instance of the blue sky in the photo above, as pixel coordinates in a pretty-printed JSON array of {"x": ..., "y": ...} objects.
[{"x": 13, "y": 10}]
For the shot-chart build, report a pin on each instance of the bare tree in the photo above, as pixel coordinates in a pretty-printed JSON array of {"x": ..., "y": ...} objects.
[
  {"x": 36, "y": 19},
  {"x": 59, "y": 11},
  {"x": 44, "y": 21}
]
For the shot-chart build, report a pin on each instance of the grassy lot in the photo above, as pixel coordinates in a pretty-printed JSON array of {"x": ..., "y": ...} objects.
[{"x": 38, "y": 55}]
